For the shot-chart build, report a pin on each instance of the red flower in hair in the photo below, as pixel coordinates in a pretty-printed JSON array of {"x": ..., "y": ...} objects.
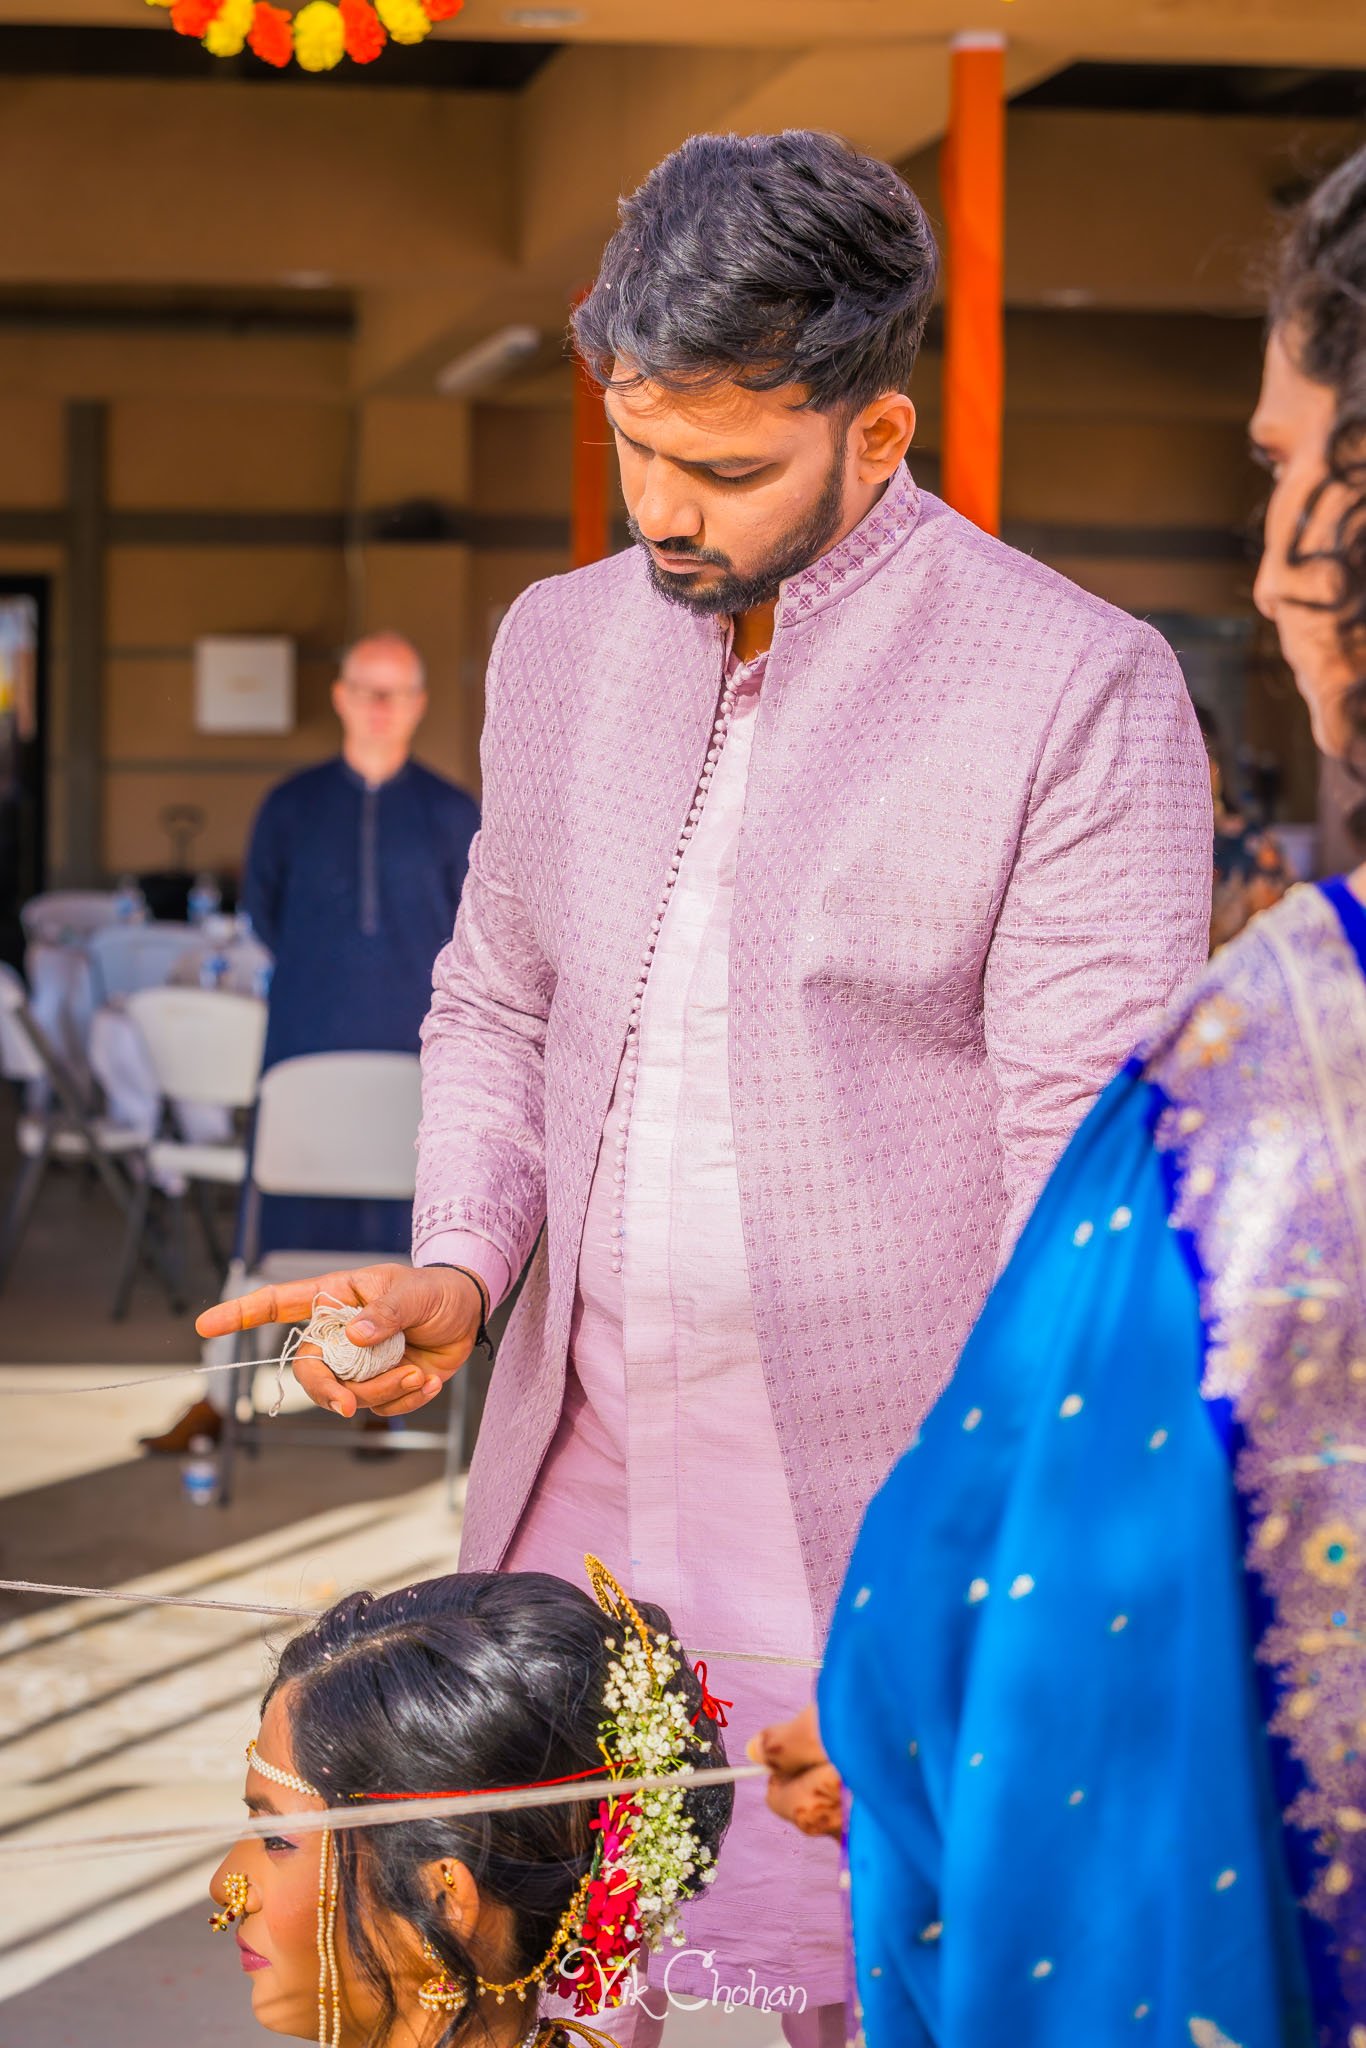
[
  {"x": 364, "y": 31},
  {"x": 192, "y": 17},
  {"x": 441, "y": 10},
  {"x": 609, "y": 1932},
  {"x": 271, "y": 35}
]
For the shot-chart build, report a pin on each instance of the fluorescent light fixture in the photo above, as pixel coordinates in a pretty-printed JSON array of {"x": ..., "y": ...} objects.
[{"x": 487, "y": 361}]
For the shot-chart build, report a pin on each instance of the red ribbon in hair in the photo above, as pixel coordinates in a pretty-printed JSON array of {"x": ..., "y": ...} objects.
[
  {"x": 478, "y": 1791},
  {"x": 714, "y": 1709}
]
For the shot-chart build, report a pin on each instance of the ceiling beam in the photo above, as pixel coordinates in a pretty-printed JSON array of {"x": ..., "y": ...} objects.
[{"x": 1312, "y": 32}]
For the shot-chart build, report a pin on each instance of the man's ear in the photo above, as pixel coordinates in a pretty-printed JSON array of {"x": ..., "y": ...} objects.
[{"x": 882, "y": 434}]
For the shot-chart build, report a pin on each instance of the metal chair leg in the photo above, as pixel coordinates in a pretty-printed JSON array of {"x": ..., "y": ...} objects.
[
  {"x": 132, "y": 1249},
  {"x": 179, "y": 1288},
  {"x": 21, "y": 1208},
  {"x": 203, "y": 1201}
]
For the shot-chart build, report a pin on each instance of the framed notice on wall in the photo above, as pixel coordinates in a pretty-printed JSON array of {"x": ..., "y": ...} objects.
[{"x": 243, "y": 684}]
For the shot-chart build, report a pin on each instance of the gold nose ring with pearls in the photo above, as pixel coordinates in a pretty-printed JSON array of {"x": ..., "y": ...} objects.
[{"x": 234, "y": 1907}]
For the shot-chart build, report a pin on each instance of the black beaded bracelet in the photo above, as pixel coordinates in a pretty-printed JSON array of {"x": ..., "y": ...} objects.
[{"x": 485, "y": 1301}]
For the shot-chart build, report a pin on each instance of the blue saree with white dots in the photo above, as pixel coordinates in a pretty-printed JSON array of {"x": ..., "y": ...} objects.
[{"x": 1096, "y": 1682}]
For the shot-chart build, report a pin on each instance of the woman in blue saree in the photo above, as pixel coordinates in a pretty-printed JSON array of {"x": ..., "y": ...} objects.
[{"x": 1096, "y": 1684}]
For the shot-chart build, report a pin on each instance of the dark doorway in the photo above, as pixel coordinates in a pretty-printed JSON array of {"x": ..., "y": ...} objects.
[{"x": 23, "y": 751}]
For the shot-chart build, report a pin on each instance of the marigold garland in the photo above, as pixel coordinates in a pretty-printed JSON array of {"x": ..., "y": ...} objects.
[
  {"x": 272, "y": 34},
  {"x": 319, "y": 38},
  {"x": 316, "y": 38},
  {"x": 226, "y": 34},
  {"x": 192, "y": 17},
  {"x": 365, "y": 34},
  {"x": 406, "y": 20}
]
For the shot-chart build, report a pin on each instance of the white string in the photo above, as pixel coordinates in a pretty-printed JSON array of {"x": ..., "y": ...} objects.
[
  {"x": 343, "y": 1819},
  {"x": 346, "y": 1361},
  {"x": 316, "y": 1614},
  {"x": 158, "y": 1599},
  {"x": 326, "y": 1328}
]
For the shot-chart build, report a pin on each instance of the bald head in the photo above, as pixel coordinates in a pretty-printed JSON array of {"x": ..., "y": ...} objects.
[
  {"x": 389, "y": 652},
  {"x": 380, "y": 697}
]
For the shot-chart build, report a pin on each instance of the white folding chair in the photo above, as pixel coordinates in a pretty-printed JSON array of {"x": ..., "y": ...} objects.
[
  {"x": 338, "y": 1124},
  {"x": 59, "y": 1125},
  {"x": 205, "y": 1048},
  {"x": 59, "y": 914},
  {"x": 129, "y": 957}
]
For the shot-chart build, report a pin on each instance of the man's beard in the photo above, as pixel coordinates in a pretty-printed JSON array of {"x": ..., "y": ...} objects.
[{"x": 732, "y": 593}]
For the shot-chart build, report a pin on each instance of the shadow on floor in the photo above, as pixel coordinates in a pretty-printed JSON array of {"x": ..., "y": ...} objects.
[{"x": 145, "y": 1524}]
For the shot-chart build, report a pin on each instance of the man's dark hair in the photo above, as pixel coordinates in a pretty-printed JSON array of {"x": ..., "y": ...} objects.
[{"x": 766, "y": 260}]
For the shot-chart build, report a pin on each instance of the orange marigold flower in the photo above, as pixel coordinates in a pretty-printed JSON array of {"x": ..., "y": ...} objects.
[
  {"x": 365, "y": 36},
  {"x": 272, "y": 36},
  {"x": 441, "y": 10},
  {"x": 192, "y": 17}
]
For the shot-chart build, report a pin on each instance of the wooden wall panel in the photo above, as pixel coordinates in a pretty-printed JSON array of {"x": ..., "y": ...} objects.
[{"x": 227, "y": 454}]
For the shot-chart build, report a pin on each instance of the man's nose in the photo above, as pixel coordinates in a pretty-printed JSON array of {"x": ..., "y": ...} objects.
[{"x": 663, "y": 511}]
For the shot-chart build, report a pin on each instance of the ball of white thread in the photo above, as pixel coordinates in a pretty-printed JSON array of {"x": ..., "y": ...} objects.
[{"x": 346, "y": 1360}]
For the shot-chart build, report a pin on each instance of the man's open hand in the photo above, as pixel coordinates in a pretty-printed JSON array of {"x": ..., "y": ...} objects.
[
  {"x": 803, "y": 1786},
  {"x": 438, "y": 1310}
]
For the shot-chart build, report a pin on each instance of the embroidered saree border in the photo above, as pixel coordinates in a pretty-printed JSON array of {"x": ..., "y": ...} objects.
[{"x": 1265, "y": 1073}]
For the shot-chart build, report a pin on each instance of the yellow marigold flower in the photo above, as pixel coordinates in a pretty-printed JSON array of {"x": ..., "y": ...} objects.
[
  {"x": 160, "y": 3},
  {"x": 406, "y": 20},
  {"x": 226, "y": 34},
  {"x": 319, "y": 36},
  {"x": 1332, "y": 1554}
]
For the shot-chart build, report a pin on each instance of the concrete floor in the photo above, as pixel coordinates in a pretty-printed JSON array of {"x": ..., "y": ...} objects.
[{"x": 108, "y": 1714}]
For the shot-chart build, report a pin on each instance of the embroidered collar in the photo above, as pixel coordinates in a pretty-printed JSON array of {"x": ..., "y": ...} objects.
[{"x": 855, "y": 558}]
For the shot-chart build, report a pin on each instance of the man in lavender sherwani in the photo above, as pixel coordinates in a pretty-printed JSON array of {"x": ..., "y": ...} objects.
[{"x": 832, "y": 857}]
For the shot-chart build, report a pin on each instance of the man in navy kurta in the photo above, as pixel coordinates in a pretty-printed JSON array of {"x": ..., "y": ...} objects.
[{"x": 353, "y": 876}]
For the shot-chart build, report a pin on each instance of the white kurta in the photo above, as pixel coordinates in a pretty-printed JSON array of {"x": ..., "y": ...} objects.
[{"x": 666, "y": 1461}]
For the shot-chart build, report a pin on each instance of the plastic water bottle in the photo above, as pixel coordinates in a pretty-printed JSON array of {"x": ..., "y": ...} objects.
[
  {"x": 199, "y": 1473},
  {"x": 130, "y": 905},
  {"x": 213, "y": 968},
  {"x": 205, "y": 897},
  {"x": 261, "y": 979}
]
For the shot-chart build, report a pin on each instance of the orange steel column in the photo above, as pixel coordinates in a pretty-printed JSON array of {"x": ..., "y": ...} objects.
[
  {"x": 973, "y": 177},
  {"x": 589, "y": 525}
]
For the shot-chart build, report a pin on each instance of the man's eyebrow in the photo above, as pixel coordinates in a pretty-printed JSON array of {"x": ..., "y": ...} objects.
[{"x": 717, "y": 461}]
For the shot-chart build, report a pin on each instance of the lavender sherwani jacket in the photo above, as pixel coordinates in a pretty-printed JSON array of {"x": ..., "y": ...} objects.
[{"x": 975, "y": 862}]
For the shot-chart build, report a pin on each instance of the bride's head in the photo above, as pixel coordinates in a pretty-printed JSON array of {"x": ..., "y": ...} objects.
[
  {"x": 402, "y": 1934},
  {"x": 1310, "y": 431}
]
